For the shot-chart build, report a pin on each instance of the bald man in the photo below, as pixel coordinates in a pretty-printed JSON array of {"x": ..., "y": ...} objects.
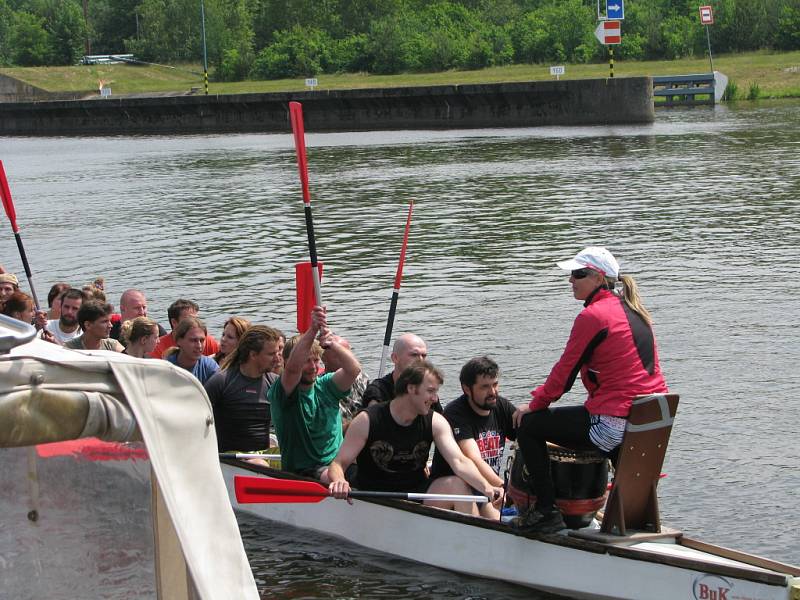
[
  {"x": 132, "y": 304},
  {"x": 407, "y": 349}
]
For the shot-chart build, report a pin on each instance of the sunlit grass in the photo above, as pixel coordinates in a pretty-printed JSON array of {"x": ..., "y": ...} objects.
[{"x": 775, "y": 74}]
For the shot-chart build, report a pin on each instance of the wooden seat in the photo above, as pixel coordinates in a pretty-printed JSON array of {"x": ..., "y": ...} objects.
[{"x": 633, "y": 502}]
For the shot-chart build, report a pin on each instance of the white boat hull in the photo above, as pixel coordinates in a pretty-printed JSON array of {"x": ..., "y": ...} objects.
[{"x": 567, "y": 566}]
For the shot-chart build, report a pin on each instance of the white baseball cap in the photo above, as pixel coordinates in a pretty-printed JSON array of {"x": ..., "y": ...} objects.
[{"x": 593, "y": 257}]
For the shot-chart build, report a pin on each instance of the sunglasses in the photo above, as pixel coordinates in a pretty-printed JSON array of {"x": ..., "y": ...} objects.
[{"x": 581, "y": 273}]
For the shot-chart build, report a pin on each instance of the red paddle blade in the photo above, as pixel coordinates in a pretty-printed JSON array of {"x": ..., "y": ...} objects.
[
  {"x": 398, "y": 278},
  {"x": 8, "y": 204},
  {"x": 252, "y": 490},
  {"x": 296, "y": 117}
]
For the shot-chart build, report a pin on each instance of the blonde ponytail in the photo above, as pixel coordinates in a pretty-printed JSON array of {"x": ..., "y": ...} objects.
[{"x": 630, "y": 294}]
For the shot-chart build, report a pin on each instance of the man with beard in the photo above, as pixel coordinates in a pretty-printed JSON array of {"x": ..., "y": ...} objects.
[
  {"x": 481, "y": 421},
  {"x": 66, "y": 327},
  {"x": 305, "y": 405},
  {"x": 390, "y": 442},
  {"x": 238, "y": 391}
]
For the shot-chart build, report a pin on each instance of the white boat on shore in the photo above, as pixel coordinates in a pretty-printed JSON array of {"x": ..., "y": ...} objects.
[{"x": 664, "y": 566}]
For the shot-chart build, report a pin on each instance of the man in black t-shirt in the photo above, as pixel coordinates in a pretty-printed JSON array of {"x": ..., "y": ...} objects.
[
  {"x": 238, "y": 392},
  {"x": 407, "y": 349},
  {"x": 481, "y": 420}
]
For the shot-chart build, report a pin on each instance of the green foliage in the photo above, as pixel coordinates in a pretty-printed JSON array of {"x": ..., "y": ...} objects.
[
  {"x": 291, "y": 38},
  {"x": 731, "y": 92},
  {"x": 555, "y": 32},
  {"x": 30, "y": 43},
  {"x": 754, "y": 91},
  {"x": 787, "y": 36},
  {"x": 678, "y": 37},
  {"x": 67, "y": 30},
  {"x": 633, "y": 46},
  {"x": 112, "y": 22},
  {"x": 299, "y": 52},
  {"x": 6, "y": 29}
]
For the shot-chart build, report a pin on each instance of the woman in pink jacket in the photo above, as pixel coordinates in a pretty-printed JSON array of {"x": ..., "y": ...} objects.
[{"x": 612, "y": 347}]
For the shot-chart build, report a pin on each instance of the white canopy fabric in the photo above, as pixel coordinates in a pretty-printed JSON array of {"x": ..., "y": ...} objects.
[{"x": 52, "y": 394}]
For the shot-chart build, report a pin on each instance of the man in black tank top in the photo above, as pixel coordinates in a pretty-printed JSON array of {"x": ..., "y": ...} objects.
[{"x": 390, "y": 443}]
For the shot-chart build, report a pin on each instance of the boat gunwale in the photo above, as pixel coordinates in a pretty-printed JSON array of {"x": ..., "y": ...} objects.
[{"x": 765, "y": 575}]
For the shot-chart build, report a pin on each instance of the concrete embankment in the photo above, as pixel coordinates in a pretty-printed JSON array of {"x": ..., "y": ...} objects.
[{"x": 572, "y": 102}]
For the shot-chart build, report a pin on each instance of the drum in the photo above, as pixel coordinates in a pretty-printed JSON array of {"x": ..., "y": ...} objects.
[{"x": 580, "y": 479}]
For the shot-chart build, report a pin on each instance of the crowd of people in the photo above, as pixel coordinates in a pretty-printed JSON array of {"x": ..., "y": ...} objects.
[{"x": 333, "y": 424}]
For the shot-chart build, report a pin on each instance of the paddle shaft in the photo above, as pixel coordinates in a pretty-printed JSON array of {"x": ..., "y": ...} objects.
[
  {"x": 298, "y": 129},
  {"x": 8, "y": 205},
  {"x": 414, "y": 496},
  {"x": 247, "y": 455},
  {"x": 398, "y": 278}
]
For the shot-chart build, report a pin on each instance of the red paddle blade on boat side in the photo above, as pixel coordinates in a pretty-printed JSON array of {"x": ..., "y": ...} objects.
[{"x": 252, "y": 490}]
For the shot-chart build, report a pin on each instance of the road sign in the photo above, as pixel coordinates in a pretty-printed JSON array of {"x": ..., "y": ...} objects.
[
  {"x": 615, "y": 10},
  {"x": 706, "y": 15},
  {"x": 557, "y": 71},
  {"x": 609, "y": 32},
  {"x": 312, "y": 82}
]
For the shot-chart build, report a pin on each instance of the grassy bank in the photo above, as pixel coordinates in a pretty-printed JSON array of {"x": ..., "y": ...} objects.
[{"x": 777, "y": 75}]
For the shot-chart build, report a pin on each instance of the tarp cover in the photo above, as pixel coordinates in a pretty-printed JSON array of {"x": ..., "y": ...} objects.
[{"x": 58, "y": 394}]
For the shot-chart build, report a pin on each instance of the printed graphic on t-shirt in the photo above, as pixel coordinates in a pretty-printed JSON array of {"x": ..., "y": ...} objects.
[
  {"x": 491, "y": 444},
  {"x": 384, "y": 457}
]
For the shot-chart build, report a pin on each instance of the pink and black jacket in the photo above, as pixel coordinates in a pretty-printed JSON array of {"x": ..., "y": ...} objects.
[{"x": 614, "y": 351}]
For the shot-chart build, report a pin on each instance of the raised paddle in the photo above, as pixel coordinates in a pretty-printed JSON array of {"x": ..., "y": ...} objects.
[
  {"x": 8, "y": 205},
  {"x": 251, "y": 490},
  {"x": 398, "y": 278},
  {"x": 296, "y": 117}
]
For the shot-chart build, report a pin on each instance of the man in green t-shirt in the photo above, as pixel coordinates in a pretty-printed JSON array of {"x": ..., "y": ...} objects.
[{"x": 305, "y": 405}]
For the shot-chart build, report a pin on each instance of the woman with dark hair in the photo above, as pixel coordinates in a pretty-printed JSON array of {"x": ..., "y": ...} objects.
[
  {"x": 232, "y": 331},
  {"x": 613, "y": 348},
  {"x": 190, "y": 337}
]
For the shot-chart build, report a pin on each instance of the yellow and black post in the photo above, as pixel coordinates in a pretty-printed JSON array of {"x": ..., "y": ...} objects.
[
  {"x": 205, "y": 80},
  {"x": 610, "y": 61}
]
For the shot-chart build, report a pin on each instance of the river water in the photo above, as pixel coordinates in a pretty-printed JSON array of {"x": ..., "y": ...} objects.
[{"x": 702, "y": 207}]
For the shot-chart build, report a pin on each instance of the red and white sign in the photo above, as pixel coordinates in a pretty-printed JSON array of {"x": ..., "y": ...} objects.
[
  {"x": 706, "y": 15},
  {"x": 609, "y": 32}
]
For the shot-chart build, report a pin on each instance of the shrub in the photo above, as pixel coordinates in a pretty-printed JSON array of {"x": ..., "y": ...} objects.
[
  {"x": 234, "y": 66},
  {"x": 754, "y": 91},
  {"x": 678, "y": 37},
  {"x": 731, "y": 91},
  {"x": 299, "y": 52}
]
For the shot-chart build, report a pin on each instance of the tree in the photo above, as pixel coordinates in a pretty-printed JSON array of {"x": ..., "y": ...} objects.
[
  {"x": 67, "y": 27},
  {"x": 30, "y": 42},
  {"x": 6, "y": 31}
]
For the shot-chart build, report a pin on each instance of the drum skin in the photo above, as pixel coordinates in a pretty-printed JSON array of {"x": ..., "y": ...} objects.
[{"x": 580, "y": 478}]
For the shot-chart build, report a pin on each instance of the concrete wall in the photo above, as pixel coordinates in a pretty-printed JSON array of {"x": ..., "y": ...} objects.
[
  {"x": 573, "y": 102},
  {"x": 14, "y": 90}
]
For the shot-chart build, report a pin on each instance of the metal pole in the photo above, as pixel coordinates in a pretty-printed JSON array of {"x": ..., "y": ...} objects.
[
  {"x": 205, "y": 55},
  {"x": 710, "y": 58}
]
